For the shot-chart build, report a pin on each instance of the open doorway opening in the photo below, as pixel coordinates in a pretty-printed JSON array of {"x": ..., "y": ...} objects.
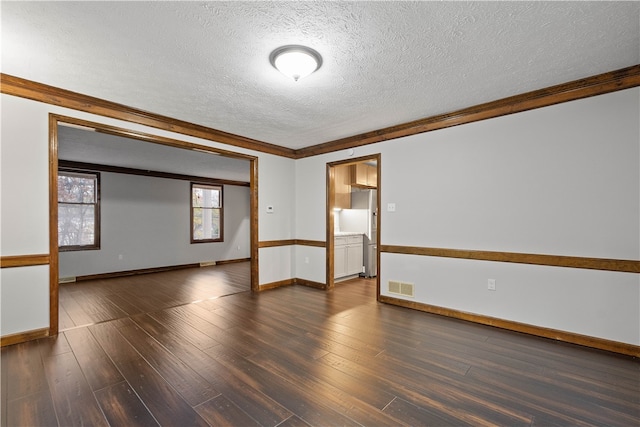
[
  {"x": 353, "y": 223},
  {"x": 136, "y": 161}
]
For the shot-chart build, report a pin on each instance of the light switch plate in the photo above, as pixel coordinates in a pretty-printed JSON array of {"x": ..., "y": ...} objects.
[{"x": 269, "y": 209}]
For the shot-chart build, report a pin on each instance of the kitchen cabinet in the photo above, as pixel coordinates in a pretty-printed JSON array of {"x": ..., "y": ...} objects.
[
  {"x": 342, "y": 187},
  {"x": 348, "y": 255},
  {"x": 364, "y": 175}
]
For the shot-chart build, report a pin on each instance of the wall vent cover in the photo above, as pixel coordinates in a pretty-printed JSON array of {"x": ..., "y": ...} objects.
[{"x": 401, "y": 288}]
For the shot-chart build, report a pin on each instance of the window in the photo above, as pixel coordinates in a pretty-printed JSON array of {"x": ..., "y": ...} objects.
[
  {"x": 78, "y": 210},
  {"x": 206, "y": 213}
]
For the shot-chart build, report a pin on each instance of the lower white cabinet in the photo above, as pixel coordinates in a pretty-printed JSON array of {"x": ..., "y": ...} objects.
[{"x": 347, "y": 256}]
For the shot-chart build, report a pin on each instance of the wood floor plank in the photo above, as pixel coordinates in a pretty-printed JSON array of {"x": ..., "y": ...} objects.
[
  {"x": 202, "y": 333},
  {"x": 96, "y": 365},
  {"x": 436, "y": 395},
  {"x": 221, "y": 321},
  {"x": 4, "y": 381},
  {"x": 74, "y": 308},
  {"x": 415, "y": 416},
  {"x": 255, "y": 403},
  {"x": 195, "y": 347},
  {"x": 73, "y": 399},
  {"x": 124, "y": 304},
  {"x": 191, "y": 386},
  {"x": 293, "y": 421},
  {"x": 293, "y": 397},
  {"x": 558, "y": 400},
  {"x": 201, "y": 338},
  {"x": 338, "y": 388},
  {"x": 614, "y": 393},
  {"x": 32, "y": 410},
  {"x": 145, "y": 300},
  {"x": 164, "y": 403},
  {"x": 54, "y": 345},
  {"x": 122, "y": 407},
  {"x": 99, "y": 309},
  {"x": 591, "y": 363},
  {"x": 25, "y": 371},
  {"x": 64, "y": 320},
  {"x": 222, "y": 412}
]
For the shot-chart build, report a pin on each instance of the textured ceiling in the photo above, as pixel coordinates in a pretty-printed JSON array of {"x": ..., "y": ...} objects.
[{"x": 385, "y": 63}]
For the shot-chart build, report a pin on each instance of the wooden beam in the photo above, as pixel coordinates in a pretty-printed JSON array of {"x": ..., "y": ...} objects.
[{"x": 141, "y": 172}]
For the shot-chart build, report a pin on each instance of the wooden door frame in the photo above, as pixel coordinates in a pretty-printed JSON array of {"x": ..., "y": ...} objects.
[
  {"x": 55, "y": 120},
  {"x": 331, "y": 202}
]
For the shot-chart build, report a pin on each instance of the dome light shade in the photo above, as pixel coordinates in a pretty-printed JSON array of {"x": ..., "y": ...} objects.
[{"x": 295, "y": 61}]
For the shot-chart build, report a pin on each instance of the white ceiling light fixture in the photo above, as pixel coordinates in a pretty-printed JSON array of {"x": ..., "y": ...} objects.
[{"x": 295, "y": 61}]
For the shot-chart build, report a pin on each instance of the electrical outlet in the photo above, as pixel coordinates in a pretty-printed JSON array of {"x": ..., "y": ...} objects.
[
  {"x": 306, "y": 260},
  {"x": 491, "y": 284},
  {"x": 391, "y": 207}
]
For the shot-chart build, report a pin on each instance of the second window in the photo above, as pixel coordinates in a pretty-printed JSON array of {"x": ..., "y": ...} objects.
[{"x": 206, "y": 213}]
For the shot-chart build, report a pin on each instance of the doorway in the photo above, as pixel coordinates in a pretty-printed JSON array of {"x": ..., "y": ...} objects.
[
  {"x": 347, "y": 228},
  {"x": 154, "y": 141}
]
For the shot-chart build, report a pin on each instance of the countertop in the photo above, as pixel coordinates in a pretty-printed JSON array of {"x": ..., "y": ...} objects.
[{"x": 347, "y": 233}]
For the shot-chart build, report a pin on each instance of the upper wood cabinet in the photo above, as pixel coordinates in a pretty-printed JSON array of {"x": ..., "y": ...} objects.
[
  {"x": 343, "y": 187},
  {"x": 364, "y": 175}
]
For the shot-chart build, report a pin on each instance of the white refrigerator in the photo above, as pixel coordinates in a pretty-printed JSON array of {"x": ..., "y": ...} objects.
[{"x": 368, "y": 200}]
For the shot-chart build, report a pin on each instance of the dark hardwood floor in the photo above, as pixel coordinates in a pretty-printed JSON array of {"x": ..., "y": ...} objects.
[
  {"x": 195, "y": 347},
  {"x": 93, "y": 301}
]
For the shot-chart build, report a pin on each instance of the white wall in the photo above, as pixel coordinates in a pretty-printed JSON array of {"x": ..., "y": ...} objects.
[
  {"x": 24, "y": 299},
  {"x": 562, "y": 180},
  {"x": 25, "y": 182},
  {"x": 559, "y": 180},
  {"x": 24, "y": 207},
  {"x": 146, "y": 220},
  {"x": 277, "y": 190},
  {"x": 24, "y": 153}
]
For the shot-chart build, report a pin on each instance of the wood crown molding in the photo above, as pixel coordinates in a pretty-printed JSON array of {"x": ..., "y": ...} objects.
[
  {"x": 24, "y": 260},
  {"x": 626, "y": 266},
  {"x": 16, "y": 86},
  {"x": 612, "y": 81},
  {"x": 140, "y": 172},
  {"x": 569, "y": 337},
  {"x": 624, "y": 78}
]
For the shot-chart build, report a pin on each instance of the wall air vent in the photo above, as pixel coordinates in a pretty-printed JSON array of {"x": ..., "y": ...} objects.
[
  {"x": 401, "y": 288},
  {"x": 207, "y": 263},
  {"x": 394, "y": 287}
]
